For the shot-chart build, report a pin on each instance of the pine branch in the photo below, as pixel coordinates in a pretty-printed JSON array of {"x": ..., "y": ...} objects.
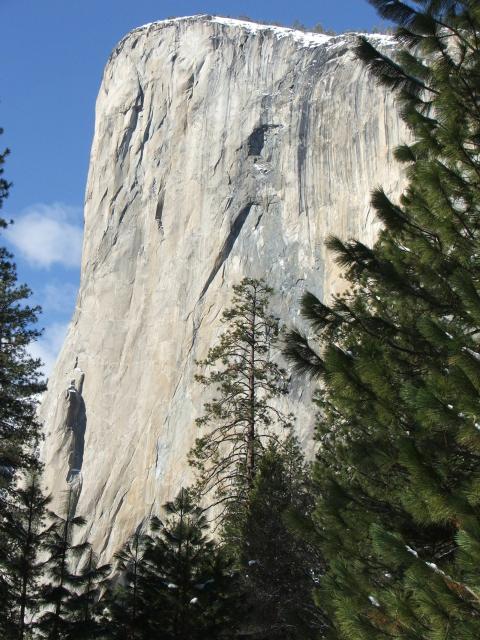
[
  {"x": 389, "y": 73},
  {"x": 298, "y": 352}
]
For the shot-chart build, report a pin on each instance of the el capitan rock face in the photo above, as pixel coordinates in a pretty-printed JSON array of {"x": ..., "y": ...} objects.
[{"x": 221, "y": 149}]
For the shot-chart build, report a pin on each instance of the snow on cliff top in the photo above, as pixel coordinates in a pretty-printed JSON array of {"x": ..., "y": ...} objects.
[
  {"x": 306, "y": 39},
  {"x": 309, "y": 39}
]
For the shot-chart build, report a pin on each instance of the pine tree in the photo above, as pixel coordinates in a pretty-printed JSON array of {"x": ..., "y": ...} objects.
[
  {"x": 83, "y": 605},
  {"x": 20, "y": 378},
  {"x": 20, "y": 384},
  {"x": 58, "y": 591},
  {"x": 23, "y": 530},
  {"x": 398, "y": 466},
  {"x": 279, "y": 570},
  {"x": 177, "y": 584},
  {"x": 20, "y": 381},
  {"x": 242, "y": 418},
  {"x": 127, "y": 610},
  {"x": 193, "y": 577}
]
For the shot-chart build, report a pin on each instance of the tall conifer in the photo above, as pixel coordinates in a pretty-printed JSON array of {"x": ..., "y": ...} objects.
[
  {"x": 128, "y": 609},
  {"x": 20, "y": 384},
  {"x": 398, "y": 510},
  {"x": 83, "y": 607},
  {"x": 58, "y": 591},
  {"x": 20, "y": 377},
  {"x": 23, "y": 530},
  {"x": 242, "y": 417}
]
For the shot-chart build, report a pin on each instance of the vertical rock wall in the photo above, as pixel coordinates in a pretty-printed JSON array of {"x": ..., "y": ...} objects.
[{"x": 221, "y": 149}]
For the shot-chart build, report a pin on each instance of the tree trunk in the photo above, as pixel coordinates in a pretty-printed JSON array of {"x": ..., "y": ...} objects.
[
  {"x": 251, "y": 418},
  {"x": 25, "y": 577}
]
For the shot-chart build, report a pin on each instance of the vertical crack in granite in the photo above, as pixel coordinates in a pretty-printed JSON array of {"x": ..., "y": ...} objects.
[
  {"x": 228, "y": 245},
  {"x": 159, "y": 212}
]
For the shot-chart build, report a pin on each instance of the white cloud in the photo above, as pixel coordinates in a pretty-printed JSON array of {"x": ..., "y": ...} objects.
[
  {"x": 48, "y": 234},
  {"x": 48, "y": 346},
  {"x": 59, "y": 297}
]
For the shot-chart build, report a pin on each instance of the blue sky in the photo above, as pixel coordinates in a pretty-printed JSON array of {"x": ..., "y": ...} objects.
[{"x": 53, "y": 53}]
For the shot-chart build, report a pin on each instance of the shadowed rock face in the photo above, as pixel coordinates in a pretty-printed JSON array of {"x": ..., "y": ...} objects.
[{"x": 221, "y": 149}]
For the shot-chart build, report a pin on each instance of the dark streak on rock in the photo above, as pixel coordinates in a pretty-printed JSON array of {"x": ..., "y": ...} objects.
[
  {"x": 112, "y": 521},
  {"x": 124, "y": 211},
  {"x": 132, "y": 125},
  {"x": 122, "y": 214},
  {"x": 189, "y": 86},
  {"x": 258, "y": 221},
  {"x": 228, "y": 245},
  {"x": 256, "y": 139},
  {"x": 115, "y": 195},
  {"x": 159, "y": 212},
  {"x": 302, "y": 151}
]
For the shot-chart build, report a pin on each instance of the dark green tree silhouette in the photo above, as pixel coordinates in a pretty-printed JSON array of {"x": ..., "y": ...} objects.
[
  {"x": 58, "y": 591},
  {"x": 193, "y": 577},
  {"x": 84, "y": 610},
  {"x": 4, "y": 184},
  {"x": 278, "y": 569},
  {"x": 176, "y": 585},
  {"x": 399, "y": 457},
  {"x": 20, "y": 378},
  {"x": 128, "y": 612},
  {"x": 20, "y": 384},
  {"x": 23, "y": 529}
]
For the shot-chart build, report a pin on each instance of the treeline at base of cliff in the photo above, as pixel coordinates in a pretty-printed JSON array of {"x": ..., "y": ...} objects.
[{"x": 379, "y": 537}]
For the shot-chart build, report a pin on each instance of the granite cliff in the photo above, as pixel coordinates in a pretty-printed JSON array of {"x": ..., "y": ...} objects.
[{"x": 221, "y": 149}]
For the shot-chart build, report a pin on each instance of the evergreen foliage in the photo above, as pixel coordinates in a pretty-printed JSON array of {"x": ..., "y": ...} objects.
[
  {"x": 20, "y": 378},
  {"x": 278, "y": 570},
  {"x": 241, "y": 418},
  {"x": 23, "y": 532},
  {"x": 177, "y": 584},
  {"x": 127, "y": 610},
  {"x": 19, "y": 374},
  {"x": 58, "y": 593},
  {"x": 398, "y": 508},
  {"x": 83, "y": 604},
  {"x": 21, "y": 503},
  {"x": 4, "y": 184}
]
